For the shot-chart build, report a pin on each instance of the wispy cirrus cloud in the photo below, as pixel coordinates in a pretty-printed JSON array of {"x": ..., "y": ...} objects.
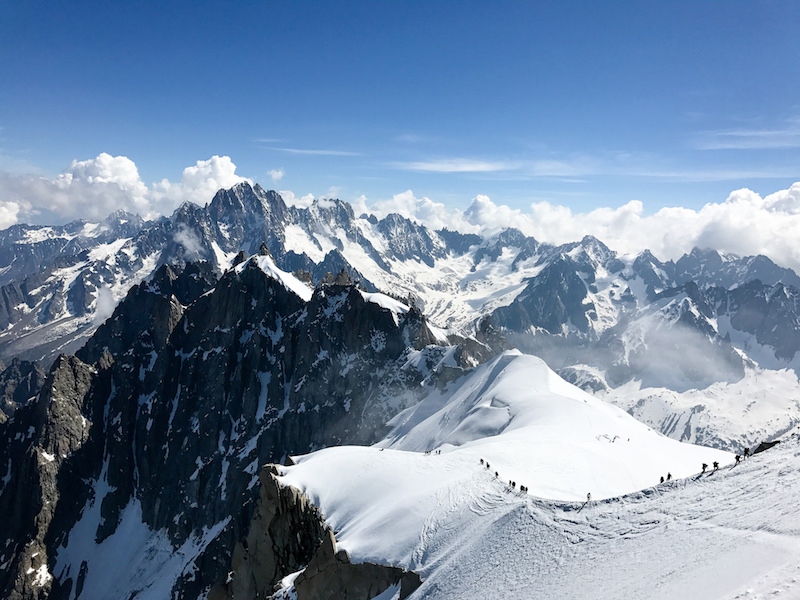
[
  {"x": 774, "y": 138},
  {"x": 578, "y": 168},
  {"x": 458, "y": 165},
  {"x": 710, "y": 175},
  {"x": 316, "y": 152},
  {"x": 415, "y": 138}
]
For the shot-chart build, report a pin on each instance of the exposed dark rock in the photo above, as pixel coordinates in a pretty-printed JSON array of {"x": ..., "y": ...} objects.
[
  {"x": 457, "y": 242},
  {"x": 239, "y": 258},
  {"x": 330, "y": 575},
  {"x": 19, "y": 384},
  {"x": 287, "y": 533},
  {"x": 43, "y": 435},
  {"x": 553, "y": 301},
  {"x": 284, "y": 531}
]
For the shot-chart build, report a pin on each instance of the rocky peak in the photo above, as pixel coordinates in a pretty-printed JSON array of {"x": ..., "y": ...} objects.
[
  {"x": 508, "y": 238},
  {"x": 408, "y": 241},
  {"x": 245, "y": 200},
  {"x": 457, "y": 242},
  {"x": 332, "y": 211},
  {"x": 554, "y": 300}
]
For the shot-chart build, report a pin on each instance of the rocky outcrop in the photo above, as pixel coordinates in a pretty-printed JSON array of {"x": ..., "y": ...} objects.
[
  {"x": 330, "y": 576},
  {"x": 43, "y": 435},
  {"x": 284, "y": 531},
  {"x": 288, "y": 533},
  {"x": 205, "y": 386},
  {"x": 19, "y": 384}
]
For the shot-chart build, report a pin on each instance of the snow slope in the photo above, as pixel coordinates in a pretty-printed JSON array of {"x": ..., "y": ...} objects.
[
  {"x": 538, "y": 430},
  {"x": 468, "y": 532},
  {"x": 734, "y": 533},
  {"x": 761, "y": 406}
]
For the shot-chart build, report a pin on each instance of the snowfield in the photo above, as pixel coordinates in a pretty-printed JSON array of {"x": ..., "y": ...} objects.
[
  {"x": 422, "y": 500},
  {"x": 761, "y": 406}
]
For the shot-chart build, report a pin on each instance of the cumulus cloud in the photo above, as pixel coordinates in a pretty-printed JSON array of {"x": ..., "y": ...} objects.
[
  {"x": 744, "y": 224},
  {"x": 291, "y": 199},
  {"x": 422, "y": 210},
  {"x": 276, "y": 174},
  {"x": 92, "y": 189},
  {"x": 198, "y": 184},
  {"x": 88, "y": 189},
  {"x": 9, "y": 212}
]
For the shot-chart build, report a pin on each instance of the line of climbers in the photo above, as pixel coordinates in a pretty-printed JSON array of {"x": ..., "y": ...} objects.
[
  {"x": 715, "y": 464},
  {"x": 511, "y": 484}
]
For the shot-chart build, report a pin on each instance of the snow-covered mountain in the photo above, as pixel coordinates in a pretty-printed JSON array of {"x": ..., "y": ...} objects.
[
  {"x": 241, "y": 333},
  {"x": 157, "y": 429},
  {"x": 600, "y": 319},
  {"x": 574, "y": 305},
  {"x": 730, "y": 533}
]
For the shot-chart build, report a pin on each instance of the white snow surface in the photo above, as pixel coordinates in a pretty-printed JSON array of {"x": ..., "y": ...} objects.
[
  {"x": 289, "y": 281},
  {"x": 468, "y": 533},
  {"x": 734, "y": 533},
  {"x": 134, "y": 561},
  {"x": 761, "y": 406},
  {"x": 385, "y": 301}
]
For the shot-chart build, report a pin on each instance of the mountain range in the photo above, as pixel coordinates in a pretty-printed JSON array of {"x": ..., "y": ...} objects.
[{"x": 156, "y": 367}]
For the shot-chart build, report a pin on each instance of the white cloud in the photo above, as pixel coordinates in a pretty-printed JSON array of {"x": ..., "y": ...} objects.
[
  {"x": 198, "y": 184},
  {"x": 787, "y": 136},
  {"x": 316, "y": 152},
  {"x": 92, "y": 189},
  {"x": 9, "y": 212},
  {"x": 300, "y": 201},
  {"x": 422, "y": 210},
  {"x": 190, "y": 241},
  {"x": 744, "y": 224},
  {"x": 276, "y": 174}
]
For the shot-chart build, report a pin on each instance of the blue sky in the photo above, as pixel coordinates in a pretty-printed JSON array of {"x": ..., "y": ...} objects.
[{"x": 581, "y": 104}]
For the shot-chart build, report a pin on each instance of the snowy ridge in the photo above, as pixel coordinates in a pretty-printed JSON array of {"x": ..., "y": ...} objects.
[
  {"x": 393, "y": 502},
  {"x": 542, "y": 432},
  {"x": 580, "y": 293},
  {"x": 471, "y": 535},
  {"x": 287, "y": 280}
]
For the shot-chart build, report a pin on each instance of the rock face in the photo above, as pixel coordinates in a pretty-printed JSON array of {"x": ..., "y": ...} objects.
[
  {"x": 285, "y": 529},
  {"x": 214, "y": 364},
  {"x": 677, "y": 325},
  {"x": 567, "y": 303},
  {"x": 330, "y": 575},
  {"x": 41, "y": 438},
  {"x": 175, "y": 402},
  {"x": 287, "y": 533},
  {"x": 19, "y": 384}
]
